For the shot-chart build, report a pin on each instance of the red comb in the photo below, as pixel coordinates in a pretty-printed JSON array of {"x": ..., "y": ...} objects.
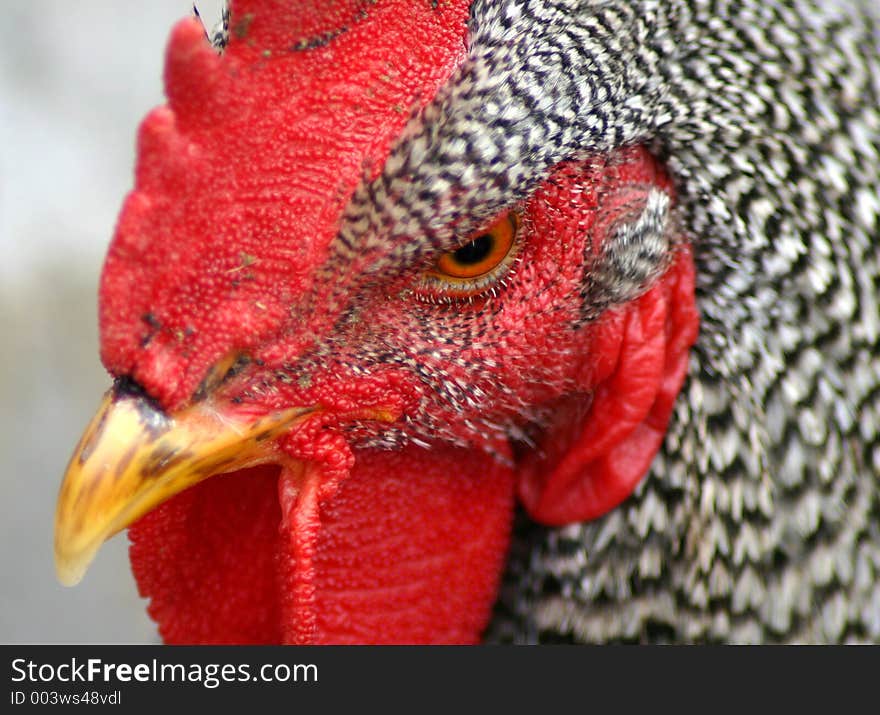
[{"x": 242, "y": 178}]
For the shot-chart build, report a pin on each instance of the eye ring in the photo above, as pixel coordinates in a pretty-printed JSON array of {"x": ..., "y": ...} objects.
[{"x": 474, "y": 267}]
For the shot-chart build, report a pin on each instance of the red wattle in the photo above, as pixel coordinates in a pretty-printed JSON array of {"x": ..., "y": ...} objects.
[
  {"x": 299, "y": 536},
  {"x": 206, "y": 560},
  {"x": 410, "y": 549}
]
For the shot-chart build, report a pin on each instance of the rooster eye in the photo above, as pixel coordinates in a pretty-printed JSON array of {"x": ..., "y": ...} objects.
[{"x": 477, "y": 265}]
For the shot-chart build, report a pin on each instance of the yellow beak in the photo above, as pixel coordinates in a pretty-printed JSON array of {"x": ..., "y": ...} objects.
[{"x": 132, "y": 457}]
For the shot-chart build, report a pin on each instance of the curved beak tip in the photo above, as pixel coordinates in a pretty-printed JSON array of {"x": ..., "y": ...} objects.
[
  {"x": 70, "y": 569},
  {"x": 132, "y": 457}
]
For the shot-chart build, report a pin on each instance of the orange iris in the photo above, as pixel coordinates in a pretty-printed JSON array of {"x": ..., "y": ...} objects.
[{"x": 482, "y": 254}]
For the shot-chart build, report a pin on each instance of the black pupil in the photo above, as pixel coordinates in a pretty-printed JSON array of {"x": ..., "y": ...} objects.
[{"x": 475, "y": 251}]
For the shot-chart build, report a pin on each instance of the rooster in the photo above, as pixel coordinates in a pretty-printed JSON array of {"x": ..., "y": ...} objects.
[{"x": 390, "y": 269}]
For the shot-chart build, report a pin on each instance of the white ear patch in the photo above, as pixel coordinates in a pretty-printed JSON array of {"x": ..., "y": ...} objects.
[{"x": 635, "y": 249}]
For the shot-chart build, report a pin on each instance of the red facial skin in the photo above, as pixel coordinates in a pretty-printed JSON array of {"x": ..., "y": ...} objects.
[{"x": 240, "y": 185}]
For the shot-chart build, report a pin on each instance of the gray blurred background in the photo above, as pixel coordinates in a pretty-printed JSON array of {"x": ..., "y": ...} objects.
[{"x": 75, "y": 80}]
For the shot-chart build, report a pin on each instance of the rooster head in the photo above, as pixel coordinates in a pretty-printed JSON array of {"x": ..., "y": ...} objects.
[{"x": 352, "y": 313}]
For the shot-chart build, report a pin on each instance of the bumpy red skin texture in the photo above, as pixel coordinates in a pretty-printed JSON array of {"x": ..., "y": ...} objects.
[
  {"x": 240, "y": 184},
  {"x": 407, "y": 552},
  {"x": 241, "y": 179}
]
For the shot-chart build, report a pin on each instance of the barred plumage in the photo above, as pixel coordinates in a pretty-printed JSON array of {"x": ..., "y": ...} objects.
[{"x": 760, "y": 521}]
